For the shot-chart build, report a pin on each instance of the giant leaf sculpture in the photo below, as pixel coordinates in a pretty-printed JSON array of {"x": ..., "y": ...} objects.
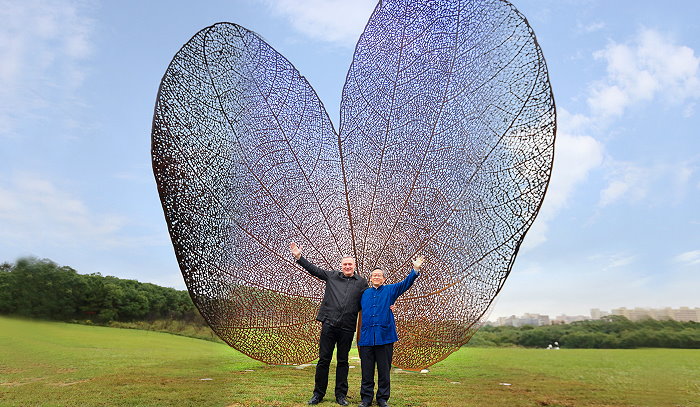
[{"x": 445, "y": 149}]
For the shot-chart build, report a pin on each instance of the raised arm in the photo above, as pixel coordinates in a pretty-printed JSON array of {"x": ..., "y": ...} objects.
[
  {"x": 400, "y": 288},
  {"x": 313, "y": 269}
]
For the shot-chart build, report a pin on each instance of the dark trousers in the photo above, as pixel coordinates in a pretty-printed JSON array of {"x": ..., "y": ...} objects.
[
  {"x": 379, "y": 356},
  {"x": 330, "y": 337}
]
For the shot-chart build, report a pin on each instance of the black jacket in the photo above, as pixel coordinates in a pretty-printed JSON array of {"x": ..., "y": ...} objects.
[{"x": 341, "y": 300}]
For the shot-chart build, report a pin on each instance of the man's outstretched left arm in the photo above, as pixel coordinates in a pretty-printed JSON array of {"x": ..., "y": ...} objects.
[{"x": 400, "y": 288}]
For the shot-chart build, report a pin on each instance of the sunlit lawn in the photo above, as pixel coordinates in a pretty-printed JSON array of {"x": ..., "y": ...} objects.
[{"x": 56, "y": 364}]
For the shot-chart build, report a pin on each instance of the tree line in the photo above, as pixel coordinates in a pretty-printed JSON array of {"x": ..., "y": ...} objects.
[
  {"x": 42, "y": 289},
  {"x": 613, "y": 331}
]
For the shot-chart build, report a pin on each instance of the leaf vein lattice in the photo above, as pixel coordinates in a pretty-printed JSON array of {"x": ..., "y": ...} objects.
[{"x": 445, "y": 148}]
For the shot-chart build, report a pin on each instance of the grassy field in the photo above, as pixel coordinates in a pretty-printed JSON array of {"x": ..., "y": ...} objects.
[{"x": 56, "y": 364}]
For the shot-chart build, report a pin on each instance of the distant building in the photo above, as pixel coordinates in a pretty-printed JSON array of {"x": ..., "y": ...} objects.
[
  {"x": 596, "y": 313},
  {"x": 567, "y": 319},
  {"x": 685, "y": 314},
  {"x": 682, "y": 314},
  {"x": 526, "y": 319}
]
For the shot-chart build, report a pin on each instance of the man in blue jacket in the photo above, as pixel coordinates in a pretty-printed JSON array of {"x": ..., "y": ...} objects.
[
  {"x": 378, "y": 332},
  {"x": 338, "y": 313}
]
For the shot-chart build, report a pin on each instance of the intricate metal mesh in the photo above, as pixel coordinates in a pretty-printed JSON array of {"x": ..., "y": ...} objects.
[{"x": 445, "y": 149}]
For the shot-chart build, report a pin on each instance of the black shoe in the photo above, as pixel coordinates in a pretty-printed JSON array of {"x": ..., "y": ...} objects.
[
  {"x": 363, "y": 404},
  {"x": 315, "y": 399},
  {"x": 342, "y": 400},
  {"x": 382, "y": 403}
]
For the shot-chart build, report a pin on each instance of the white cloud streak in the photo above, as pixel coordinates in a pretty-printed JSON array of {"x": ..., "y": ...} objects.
[
  {"x": 689, "y": 258},
  {"x": 631, "y": 183},
  {"x": 591, "y": 27},
  {"x": 43, "y": 45},
  {"x": 614, "y": 261},
  {"x": 338, "y": 22},
  {"x": 35, "y": 212}
]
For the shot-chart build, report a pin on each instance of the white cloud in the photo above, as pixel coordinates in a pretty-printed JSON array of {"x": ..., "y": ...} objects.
[
  {"x": 650, "y": 66},
  {"x": 616, "y": 261},
  {"x": 575, "y": 156},
  {"x": 608, "y": 101},
  {"x": 689, "y": 258},
  {"x": 682, "y": 178},
  {"x": 35, "y": 212},
  {"x": 613, "y": 192},
  {"x": 629, "y": 182},
  {"x": 591, "y": 27},
  {"x": 42, "y": 47},
  {"x": 689, "y": 110},
  {"x": 335, "y": 21}
]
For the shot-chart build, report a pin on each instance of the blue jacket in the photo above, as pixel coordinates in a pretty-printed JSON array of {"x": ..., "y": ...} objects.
[{"x": 378, "y": 324}]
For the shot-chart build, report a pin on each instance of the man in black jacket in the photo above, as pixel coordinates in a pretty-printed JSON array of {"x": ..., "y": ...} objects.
[{"x": 338, "y": 313}]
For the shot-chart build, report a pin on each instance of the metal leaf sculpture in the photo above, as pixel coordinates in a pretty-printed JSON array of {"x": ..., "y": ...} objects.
[{"x": 445, "y": 148}]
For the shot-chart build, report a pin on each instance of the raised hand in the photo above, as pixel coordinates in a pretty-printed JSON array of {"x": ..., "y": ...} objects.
[
  {"x": 418, "y": 262},
  {"x": 296, "y": 251}
]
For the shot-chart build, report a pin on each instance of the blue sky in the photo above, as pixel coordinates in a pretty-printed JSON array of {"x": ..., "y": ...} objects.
[{"x": 619, "y": 226}]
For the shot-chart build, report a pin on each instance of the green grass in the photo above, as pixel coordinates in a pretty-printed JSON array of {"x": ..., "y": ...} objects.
[
  {"x": 57, "y": 364},
  {"x": 173, "y": 326}
]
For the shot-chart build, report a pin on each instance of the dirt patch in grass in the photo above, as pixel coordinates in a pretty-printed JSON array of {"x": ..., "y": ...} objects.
[
  {"x": 12, "y": 384},
  {"x": 554, "y": 403},
  {"x": 70, "y": 383},
  {"x": 10, "y": 370},
  {"x": 66, "y": 370},
  {"x": 22, "y": 383}
]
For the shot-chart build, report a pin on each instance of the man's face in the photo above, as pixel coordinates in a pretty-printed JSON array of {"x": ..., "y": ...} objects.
[
  {"x": 377, "y": 278},
  {"x": 347, "y": 265}
]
